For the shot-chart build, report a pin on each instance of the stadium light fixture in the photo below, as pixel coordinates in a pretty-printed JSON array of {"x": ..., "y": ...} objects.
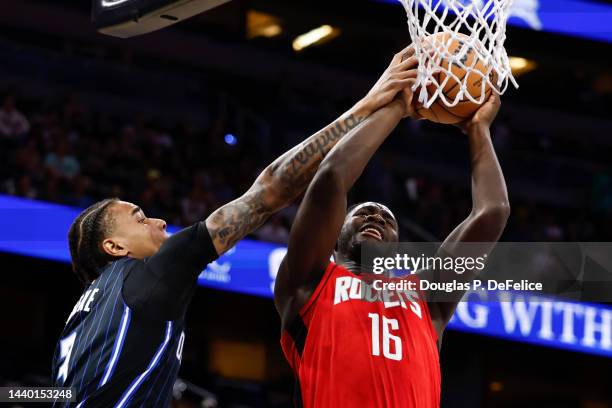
[
  {"x": 521, "y": 66},
  {"x": 230, "y": 139},
  {"x": 261, "y": 24},
  {"x": 317, "y": 36}
]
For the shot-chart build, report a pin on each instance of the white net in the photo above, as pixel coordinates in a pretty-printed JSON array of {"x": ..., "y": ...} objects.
[{"x": 460, "y": 48}]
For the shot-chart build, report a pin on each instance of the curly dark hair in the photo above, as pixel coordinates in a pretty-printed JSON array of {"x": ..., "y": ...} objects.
[{"x": 85, "y": 237}]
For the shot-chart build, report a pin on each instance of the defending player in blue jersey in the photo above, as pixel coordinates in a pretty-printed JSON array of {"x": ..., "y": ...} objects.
[{"x": 123, "y": 341}]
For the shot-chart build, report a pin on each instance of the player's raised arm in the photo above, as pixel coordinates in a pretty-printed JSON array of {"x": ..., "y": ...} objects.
[
  {"x": 490, "y": 209},
  {"x": 321, "y": 214},
  {"x": 288, "y": 176}
]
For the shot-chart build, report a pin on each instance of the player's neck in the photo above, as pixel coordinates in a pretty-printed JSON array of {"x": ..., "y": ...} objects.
[{"x": 352, "y": 265}]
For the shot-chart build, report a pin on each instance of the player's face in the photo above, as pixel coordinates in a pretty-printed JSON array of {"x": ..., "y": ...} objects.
[
  {"x": 135, "y": 234},
  {"x": 370, "y": 222}
]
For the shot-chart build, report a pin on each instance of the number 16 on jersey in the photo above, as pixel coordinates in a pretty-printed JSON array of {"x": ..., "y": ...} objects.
[{"x": 387, "y": 338}]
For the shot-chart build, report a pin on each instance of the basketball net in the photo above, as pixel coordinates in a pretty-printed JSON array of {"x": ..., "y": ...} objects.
[{"x": 483, "y": 25}]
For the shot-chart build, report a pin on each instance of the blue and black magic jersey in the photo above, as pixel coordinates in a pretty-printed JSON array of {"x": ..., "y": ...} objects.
[{"x": 123, "y": 341}]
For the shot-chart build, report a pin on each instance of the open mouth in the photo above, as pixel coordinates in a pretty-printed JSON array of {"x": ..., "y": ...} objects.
[{"x": 372, "y": 232}]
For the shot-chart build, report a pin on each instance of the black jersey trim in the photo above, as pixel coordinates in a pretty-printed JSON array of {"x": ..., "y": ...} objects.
[
  {"x": 298, "y": 332},
  {"x": 297, "y": 394}
]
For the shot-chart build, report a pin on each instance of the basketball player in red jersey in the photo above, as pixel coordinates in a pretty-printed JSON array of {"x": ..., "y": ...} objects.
[{"x": 344, "y": 350}]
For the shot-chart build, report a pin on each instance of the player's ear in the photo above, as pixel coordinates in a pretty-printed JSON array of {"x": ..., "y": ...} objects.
[{"x": 114, "y": 248}]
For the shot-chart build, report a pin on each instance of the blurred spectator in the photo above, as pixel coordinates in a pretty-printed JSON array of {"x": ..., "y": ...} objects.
[
  {"x": 24, "y": 187},
  {"x": 13, "y": 123},
  {"x": 273, "y": 231},
  {"x": 194, "y": 207},
  {"x": 61, "y": 162},
  {"x": 182, "y": 172},
  {"x": 80, "y": 195}
]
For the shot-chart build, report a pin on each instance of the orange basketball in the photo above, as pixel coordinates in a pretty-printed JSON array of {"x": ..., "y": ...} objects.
[{"x": 439, "y": 112}]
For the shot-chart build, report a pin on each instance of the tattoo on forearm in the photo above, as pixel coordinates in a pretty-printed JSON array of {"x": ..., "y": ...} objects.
[
  {"x": 298, "y": 169},
  {"x": 233, "y": 222}
]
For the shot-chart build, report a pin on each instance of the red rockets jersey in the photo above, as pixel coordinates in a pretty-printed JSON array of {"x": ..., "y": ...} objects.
[{"x": 349, "y": 348}]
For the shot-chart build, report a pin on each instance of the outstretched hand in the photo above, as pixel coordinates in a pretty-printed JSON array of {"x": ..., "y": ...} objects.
[
  {"x": 484, "y": 116},
  {"x": 395, "y": 83}
]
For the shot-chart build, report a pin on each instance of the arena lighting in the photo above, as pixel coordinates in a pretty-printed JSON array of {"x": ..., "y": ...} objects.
[
  {"x": 518, "y": 63},
  {"x": 521, "y": 66},
  {"x": 261, "y": 24},
  {"x": 38, "y": 229},
  {"x": 317, "y": 36},
  {"x": 230, "y": 139},
  {"x": 111, "y": 3},
  {"x": 271, "y": 30}
]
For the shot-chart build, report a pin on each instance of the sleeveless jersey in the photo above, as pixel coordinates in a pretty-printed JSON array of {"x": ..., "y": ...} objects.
[
  {"x": 112, "y": 355},
  {"x": 347, "y": 351}
]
